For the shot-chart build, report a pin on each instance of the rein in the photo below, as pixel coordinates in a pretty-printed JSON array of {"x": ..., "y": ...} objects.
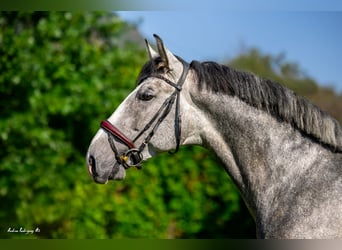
[{"x": 133, "y": 156}]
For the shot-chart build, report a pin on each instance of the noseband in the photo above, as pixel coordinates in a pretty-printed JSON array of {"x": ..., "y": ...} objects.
[{"x": 133, "y": 156}]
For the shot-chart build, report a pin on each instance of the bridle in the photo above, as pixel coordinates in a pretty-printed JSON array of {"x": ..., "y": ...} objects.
[{"x": 133, "y": 156}]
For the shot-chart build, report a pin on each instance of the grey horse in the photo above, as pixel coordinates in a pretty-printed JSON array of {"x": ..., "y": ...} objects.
[{"x": 283, "y": 153}]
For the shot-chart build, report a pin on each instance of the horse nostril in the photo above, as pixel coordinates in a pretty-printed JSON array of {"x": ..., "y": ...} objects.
[{"x": 92, "y": 166}]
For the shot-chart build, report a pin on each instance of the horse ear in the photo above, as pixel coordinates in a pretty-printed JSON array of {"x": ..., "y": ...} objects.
[
  {"x": 151, "y": 52},
  {"x": 168, "y": 59},
  {"x": 162, "y": 52}
]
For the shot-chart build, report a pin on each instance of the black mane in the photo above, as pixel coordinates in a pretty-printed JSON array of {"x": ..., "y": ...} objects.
[{"x": 273, "y": 98}]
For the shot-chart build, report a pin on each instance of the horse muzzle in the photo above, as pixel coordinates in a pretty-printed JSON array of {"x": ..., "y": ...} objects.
[{"x": 101, "y": 174}]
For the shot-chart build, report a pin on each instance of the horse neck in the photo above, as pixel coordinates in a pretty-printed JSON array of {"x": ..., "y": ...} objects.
[{"x": 258, "y": 152}]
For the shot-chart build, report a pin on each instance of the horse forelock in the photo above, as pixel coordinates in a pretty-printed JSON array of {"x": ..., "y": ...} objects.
[
  {"x": 147, "y": 70},
  {"x": 275, "y": 99},
  {"x": 150, "y": 69}
]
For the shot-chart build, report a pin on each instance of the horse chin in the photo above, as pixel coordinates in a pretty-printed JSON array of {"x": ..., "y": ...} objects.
[{"x": 118, "y": 173}]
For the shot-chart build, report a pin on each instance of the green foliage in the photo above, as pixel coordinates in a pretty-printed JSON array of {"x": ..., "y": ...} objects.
[{"x": 61, "y": 74}]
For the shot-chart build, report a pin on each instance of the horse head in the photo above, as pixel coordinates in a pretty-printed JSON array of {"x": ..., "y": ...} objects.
[{"x": 147, "y": 122}]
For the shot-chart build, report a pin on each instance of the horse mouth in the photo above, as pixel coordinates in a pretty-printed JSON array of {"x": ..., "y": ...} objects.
[{"x": 117, "y": 173}]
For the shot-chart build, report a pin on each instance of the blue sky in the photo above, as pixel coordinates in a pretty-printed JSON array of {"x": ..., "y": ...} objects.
[{"x": 313, "y": 39}]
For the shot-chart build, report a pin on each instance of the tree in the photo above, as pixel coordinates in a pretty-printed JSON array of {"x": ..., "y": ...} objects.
[{"x": 57, "y": 77}]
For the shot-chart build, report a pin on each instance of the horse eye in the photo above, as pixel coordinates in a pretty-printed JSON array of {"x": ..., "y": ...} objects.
[{"x": 146, "y": 96}]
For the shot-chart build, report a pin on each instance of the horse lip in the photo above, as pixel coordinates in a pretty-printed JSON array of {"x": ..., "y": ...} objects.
[
  {"x": 97, "y": 178},
  {"x": 89, "y": 170},
  {"x": 101, "y": 180}
]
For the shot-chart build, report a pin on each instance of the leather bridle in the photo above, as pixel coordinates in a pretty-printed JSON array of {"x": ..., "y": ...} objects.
[{"x": 133, "y": 156}]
